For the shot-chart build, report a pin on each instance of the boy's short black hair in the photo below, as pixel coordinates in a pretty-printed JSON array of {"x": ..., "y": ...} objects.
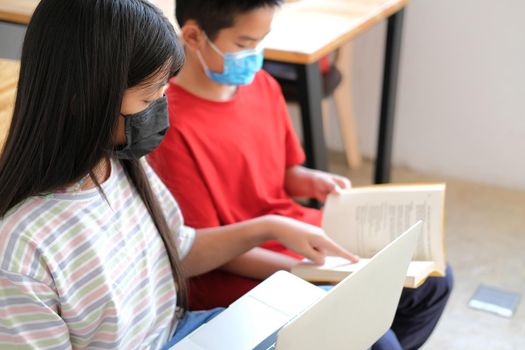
[{"x": 214, "y": 15}]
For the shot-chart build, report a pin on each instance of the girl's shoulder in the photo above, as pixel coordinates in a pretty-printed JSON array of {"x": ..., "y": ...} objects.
[
  {"x": 41, "y": 221},
  {"x": 23, "y": 231}
]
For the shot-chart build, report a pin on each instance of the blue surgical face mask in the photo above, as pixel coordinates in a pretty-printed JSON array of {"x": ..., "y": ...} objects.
[{"x": 239, "y": 67}]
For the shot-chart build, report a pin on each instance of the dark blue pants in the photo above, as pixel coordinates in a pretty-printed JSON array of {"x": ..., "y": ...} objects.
[{"x": 417, "y": 314}]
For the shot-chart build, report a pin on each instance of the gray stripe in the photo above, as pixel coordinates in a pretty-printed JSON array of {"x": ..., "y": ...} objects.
[
  {"x": 164, "y": 280},
  {"x": 104, "y": 345},
  {"x": 136, "y": 320},
  {"x": 38, "y": 326},
  {"x": 77, "y": 196},
  {"x": 64, "y": 346},
  {"x": 15, "y": 301},
  {"x": 133, "y": 292}
]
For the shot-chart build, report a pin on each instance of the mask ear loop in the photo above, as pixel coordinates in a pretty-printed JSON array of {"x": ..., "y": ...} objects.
[
  {"x": 213, "y": 46},
  {"x": 201, "y": 58},
  {"x": 203, "y": 63}
]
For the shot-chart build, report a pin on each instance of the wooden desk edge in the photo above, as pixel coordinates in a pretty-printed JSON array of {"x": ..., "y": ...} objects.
[
  {"x": 269, "y": 54},
  {"x": 304, "y": 58},
  {"x": 17, "y": 18}
]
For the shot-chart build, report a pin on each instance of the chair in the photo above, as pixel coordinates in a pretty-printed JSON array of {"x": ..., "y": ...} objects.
[{"x": 335, "y": 70}]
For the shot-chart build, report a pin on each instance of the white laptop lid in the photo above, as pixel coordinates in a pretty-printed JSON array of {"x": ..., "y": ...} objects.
[
  {"x": 360, "y": 309},
  {"x": 255, "y": 316},
  {"x": 353, "y": 315}
]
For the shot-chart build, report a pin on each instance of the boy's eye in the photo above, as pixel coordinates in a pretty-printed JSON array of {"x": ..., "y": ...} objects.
[{"x": 241, "y": 46}]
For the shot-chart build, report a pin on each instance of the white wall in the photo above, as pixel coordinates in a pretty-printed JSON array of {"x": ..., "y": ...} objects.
[{"x": 461, "y": 95}]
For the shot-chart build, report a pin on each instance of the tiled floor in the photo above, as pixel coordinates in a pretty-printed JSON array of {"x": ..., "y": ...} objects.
[{"x": 485, "y": 237}]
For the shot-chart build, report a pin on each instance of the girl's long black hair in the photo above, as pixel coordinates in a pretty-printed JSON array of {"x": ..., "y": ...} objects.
[{"x": 78, "y": 58}]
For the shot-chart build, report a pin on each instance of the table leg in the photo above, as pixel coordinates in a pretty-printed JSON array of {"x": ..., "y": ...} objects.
[
  {"x": 388, "y": 99},
  {"x": 310, "y": 95}
]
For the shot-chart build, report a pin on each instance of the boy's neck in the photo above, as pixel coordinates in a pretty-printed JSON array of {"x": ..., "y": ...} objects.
[{"x": 193, "y": 79}]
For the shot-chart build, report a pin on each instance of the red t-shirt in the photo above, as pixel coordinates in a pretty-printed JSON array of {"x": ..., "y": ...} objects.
[{"x": 225, "y": 162}]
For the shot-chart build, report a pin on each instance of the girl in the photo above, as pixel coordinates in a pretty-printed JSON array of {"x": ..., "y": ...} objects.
[{"x": 93, "y": 250}]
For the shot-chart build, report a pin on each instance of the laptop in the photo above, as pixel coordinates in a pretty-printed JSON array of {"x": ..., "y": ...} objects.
[{"x": 285, "y": 312}]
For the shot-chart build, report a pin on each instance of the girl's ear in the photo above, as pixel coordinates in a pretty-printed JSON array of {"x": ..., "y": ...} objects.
[{"x": 193, "y": 36}]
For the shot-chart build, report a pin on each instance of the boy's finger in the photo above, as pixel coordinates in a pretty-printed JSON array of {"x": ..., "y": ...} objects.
[
  {"x": 336, "y": 188},
  {"x": 343, "y": 182}
]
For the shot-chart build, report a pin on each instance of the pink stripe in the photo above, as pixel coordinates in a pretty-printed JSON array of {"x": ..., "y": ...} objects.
[
  {"x": 26, "y": 285},
  {"x": 159, "y": 274},
  {"x": 164, "y": 298},
  {"x": 25, "y": 309}
]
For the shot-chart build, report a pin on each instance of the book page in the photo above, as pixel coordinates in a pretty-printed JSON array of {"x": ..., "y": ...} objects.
[{"x": 364, "y": 220}]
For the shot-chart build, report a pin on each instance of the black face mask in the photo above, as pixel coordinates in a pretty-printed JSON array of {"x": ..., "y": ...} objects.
[{"x": 145, "y": 130}]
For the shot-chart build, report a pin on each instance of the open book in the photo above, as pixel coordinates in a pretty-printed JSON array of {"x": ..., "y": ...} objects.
[{"x": 364, "y": 220}]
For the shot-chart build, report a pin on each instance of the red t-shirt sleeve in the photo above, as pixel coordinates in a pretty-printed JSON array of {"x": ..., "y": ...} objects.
[{"x": 188, "y": 187}]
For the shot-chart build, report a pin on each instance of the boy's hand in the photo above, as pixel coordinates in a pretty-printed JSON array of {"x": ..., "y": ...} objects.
[
  {"x": 307, "y": 240},
  {"x": 304, "y": 182},
  {"x": 325, "y": 183}
]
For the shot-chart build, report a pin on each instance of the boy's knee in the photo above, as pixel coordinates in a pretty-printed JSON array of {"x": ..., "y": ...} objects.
[
  {"x": 388, "y": 341},
  {"x": 434, "y": 292},
  {"x": 443, "y": 285}
]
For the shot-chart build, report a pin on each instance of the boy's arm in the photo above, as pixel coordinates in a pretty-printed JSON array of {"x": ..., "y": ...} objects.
[{"x": 303, "y": 182}]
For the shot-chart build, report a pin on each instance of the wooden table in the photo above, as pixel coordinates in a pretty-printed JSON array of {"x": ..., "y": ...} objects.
[
  {"x": 8, "y": 80},
  {"x": 303, "y": 31},
  {"x": 17, "y": 11}
]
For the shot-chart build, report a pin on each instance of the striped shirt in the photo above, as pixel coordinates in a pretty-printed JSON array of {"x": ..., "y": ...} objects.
[{"x": 77, "y": 272}]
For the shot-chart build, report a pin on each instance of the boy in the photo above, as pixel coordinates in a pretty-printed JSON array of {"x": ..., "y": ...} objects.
[
  {"x": 231, "y": 154},
  {"x": 239, "y": 157}
]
